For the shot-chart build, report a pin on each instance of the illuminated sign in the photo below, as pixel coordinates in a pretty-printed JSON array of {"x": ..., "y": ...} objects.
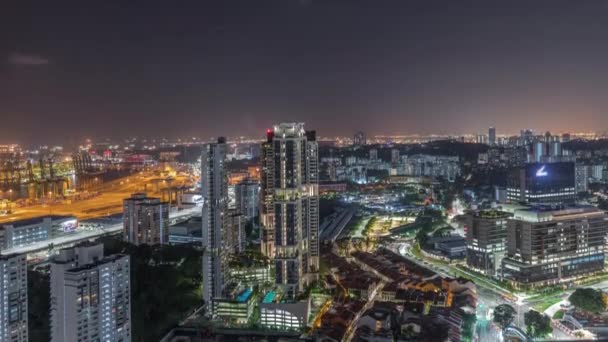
[{"x": 541, "y": 172}]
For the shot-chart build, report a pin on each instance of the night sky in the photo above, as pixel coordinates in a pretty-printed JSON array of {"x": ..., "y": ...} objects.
[{"x": 70, "y": 70}]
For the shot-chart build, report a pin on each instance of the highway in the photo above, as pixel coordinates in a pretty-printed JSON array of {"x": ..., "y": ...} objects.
[{"x": 71, "y": 238}]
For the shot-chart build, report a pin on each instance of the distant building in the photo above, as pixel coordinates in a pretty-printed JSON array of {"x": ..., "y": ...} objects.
[
  {"x": 13, "y": 298},
  {"x": 543, "y": 183},
  {"x": 247, "y": 197},
  {"x": 359, "y": 139},
  {"x": 215, "y": 211},
  {"x": 373, "y": 155},
  {"x": 492, "y": 136},
  {"x": 581, "y": 178},
  {"x": 486, "y": 236},
  {"x": 90, "y": 295},
  {"x": 291, "y": 205},
  {"x": 547, "y": 246},
  {"x": 395, "y": 156},
  {"x": 146, "y": 220}
]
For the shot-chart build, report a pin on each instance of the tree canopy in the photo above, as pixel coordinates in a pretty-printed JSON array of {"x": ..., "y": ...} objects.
[
  {"x": 587, "y": 299},
  {"x": 537, "y": 324},
  {"x": 504, "y": 315}
]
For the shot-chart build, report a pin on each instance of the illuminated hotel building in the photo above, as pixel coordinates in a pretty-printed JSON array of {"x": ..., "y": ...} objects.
[
  {"x": 13, "y": 298},
  {"x": 90, "y": 295},
  {"x": 547, "y": 246},
  {"x": 543, "y": 183},
  {"x": 215, "y": 217},
  {"x": 290, "y": 204}
]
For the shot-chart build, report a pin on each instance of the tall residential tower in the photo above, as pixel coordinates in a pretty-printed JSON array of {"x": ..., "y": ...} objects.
[
  {"x": 215, "y": 207},
  {"x": 290, "y": 204}
]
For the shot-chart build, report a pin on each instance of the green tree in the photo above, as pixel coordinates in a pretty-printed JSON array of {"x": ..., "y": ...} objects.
[
  {"x": 38, "y": 302},
  {"x": 587, "y": 299},
  {"x": 503, "y": 315},
  {"x": 537, "y": 324}
]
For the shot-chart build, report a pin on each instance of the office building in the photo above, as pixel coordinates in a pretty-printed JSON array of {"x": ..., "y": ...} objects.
[
  {"x": 547, "y": 246},
  {"x": 486, "y": 237},
  {"x": 291, "y": 163},
  {"x": 13, "y": 298},
  {"x": 146, "y": 220},
  {"x": 90, "y": 295},
  {"x": 215, "y": 209},
  {"x": 492, "y": 136},
  {"x": 359, "y": 139},
  {"x": 247, "y": 197},
  {"x": 542, "y": 183}
]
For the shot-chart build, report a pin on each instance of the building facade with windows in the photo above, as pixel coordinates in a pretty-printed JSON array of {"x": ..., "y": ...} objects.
[
  {"x": 90, "y": 295},
  {"x": 13, "y": 298},
  {"x": 548, "y": 246},
  {"x": 145, "y": 220},
  {"x": 291, "y": 201}
]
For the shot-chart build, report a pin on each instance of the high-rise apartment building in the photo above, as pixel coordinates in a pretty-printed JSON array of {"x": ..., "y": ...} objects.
[
  {"x": 235, "y": 231},
  {"x": 247, "y": 198},
  {"x": 13, "y": 298},
  {"x": 291, "y": 200},
  {"x": 267, "y": 196},
  {"x": 486, "y": 237},
  {"x": 215, "y": 213},
  {"x": 548, "y": 246},
  {"x": 146, "y": 220},
  {"x": 90, "y": 295}
]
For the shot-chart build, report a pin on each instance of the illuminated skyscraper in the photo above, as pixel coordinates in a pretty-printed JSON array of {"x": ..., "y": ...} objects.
[
  {"x": 291, "y": 203},
  {"x": 13, "y": 298},
  {"x": 215, "y": 207}
]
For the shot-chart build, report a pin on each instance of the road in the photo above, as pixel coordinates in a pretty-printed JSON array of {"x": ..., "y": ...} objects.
[{"x": 352, "y": 327}]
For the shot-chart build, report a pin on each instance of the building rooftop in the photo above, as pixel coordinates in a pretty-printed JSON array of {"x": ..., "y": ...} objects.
[{"x": 547, "y": 213}]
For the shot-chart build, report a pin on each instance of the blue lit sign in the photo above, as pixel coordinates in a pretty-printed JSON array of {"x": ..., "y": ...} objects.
[{"x": 541, "y": 172}]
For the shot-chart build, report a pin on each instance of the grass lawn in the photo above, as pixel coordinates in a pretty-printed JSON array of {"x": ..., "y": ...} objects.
[
  {"x": 559, "y": 314},
  {"x": 546, "y": 303}
]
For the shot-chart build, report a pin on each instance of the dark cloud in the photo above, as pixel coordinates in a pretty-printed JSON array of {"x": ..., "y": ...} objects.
[{"x": 21, "y": 59}]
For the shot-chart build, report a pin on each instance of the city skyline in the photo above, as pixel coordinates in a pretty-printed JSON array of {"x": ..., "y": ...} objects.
[{"x": 69, "y": 72}]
